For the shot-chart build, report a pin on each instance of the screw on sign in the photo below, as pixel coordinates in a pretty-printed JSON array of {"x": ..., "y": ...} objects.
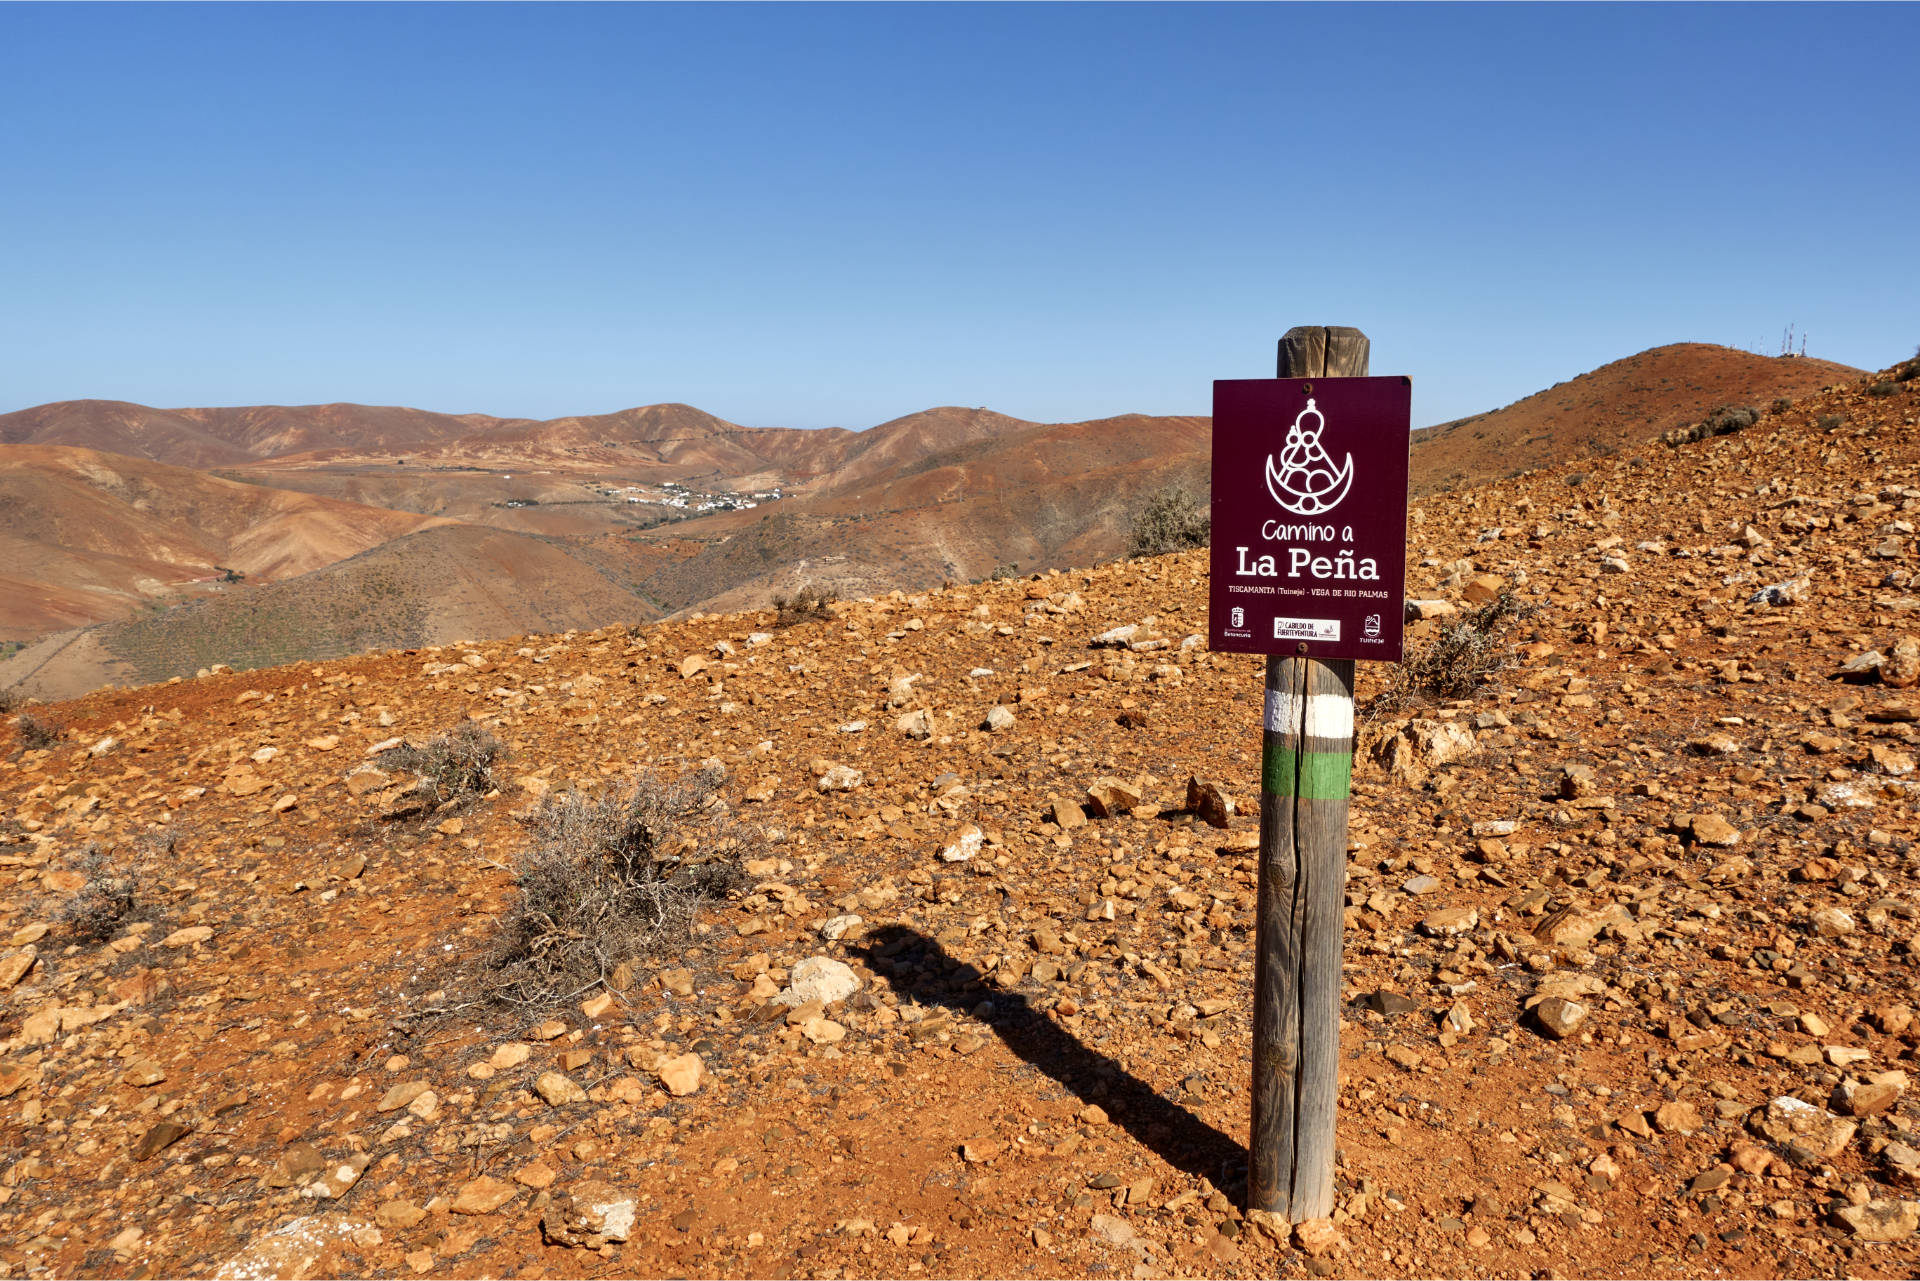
[{"x": 1308, "y": 566}]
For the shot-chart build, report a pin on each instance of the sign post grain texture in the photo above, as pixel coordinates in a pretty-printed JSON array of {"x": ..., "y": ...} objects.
[{"x": 1305, "y": 442}]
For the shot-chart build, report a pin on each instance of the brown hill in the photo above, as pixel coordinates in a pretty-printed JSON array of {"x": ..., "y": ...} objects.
[
  {"x": 1628, "y": 981},
  {"x": 219, "y": 437},
  {"x": 444, "y": 583},
  {"x": 91, "y": 535},
  {"x": 1618, "y": 406},
  {"x": 994, "y": 493},
  {"x": 668, "y": 441},
  {"x": 947, "y": 494}
]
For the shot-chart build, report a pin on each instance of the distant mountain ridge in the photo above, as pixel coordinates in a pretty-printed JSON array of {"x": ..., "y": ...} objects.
[{"x": 421, "y": 528}]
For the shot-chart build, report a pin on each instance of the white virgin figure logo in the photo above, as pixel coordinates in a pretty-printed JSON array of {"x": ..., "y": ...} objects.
[{"x": 1307, "y": 483}]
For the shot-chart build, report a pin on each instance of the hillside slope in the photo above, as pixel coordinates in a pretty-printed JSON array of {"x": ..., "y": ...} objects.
[
  {"x": 90, "y": 535},
  {"x": 1672, "y": 818},
  {"x": 225, "y": 436},
  {"x": 439, "y": 585},
  {"x": 1622, "y": 405},
  {"x": 1007, "y": 493},
  {"x": 994, "y": 492}
]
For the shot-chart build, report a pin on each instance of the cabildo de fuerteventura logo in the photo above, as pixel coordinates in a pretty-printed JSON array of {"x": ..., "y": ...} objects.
[{"x": 1307, "y": 483}]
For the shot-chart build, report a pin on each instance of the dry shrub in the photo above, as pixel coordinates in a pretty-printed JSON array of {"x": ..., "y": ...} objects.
[
  {"x": 1723, "y": 421},
  {"x": 805, "y": 604},
  {"x": 108, "y": 897},
  {"x": 37, "y": 733},
  {"x": 453, "y": 765},
  {"x": 613, "y": 878},
  {"x": 1170, "y": 522},
  {"x": 11, "y": 701},
  {"x": 1460, "y": 660}
]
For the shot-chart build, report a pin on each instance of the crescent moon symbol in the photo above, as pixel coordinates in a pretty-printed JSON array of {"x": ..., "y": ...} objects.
[{"x": 1306, "y": 504}]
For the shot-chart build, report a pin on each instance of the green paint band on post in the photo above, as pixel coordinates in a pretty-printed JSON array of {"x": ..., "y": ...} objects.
[{"x": 1312, "y": 776}]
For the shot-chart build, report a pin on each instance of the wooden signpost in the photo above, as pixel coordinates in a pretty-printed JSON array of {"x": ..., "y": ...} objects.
[{"x": 1308, "y": 567}]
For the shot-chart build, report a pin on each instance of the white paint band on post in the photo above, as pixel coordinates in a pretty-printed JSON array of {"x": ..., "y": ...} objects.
[{"x": 1327, "y": 715}]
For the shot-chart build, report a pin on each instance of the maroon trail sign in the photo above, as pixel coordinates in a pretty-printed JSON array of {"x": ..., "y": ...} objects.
[{"x": 1309, "y": 551}]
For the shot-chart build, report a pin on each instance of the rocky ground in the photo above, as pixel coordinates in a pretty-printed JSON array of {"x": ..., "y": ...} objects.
[{"x": 1630, "y": 959}]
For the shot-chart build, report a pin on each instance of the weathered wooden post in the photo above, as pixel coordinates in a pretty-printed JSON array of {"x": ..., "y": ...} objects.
[
  {"x": 1321, "y": 558},
  {"x": 1305, "y": 758}
]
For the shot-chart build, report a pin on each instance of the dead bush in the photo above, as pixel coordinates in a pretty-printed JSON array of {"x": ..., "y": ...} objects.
[
  {"x": 11, "y": 701},
  {"x": 108, "y": 897},
  {"x": 611, "y": 879},
  {"x": 1170, "y": 522},
  {"x": 1460, "y": 660},
  {"x": 805, "y": 604},
  {"x": 37, "y": 733},
  {"x": 453, "y": 765},
  {"x": 1723, "y": 421}
]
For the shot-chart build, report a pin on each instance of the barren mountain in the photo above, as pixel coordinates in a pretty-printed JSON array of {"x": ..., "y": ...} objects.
[
  {"x": 442, "y": 584},
  {"x": 885, "y": 512},
  {"x": 1006, "y": 493},
  {"x": 1623, "y": 405},
  {"x": 948, "y": 493},
  {"x": 1630, "y": 945},
  {"x": 218, "y": 437},
  {"x": 668, "y": 441},
  {"x": 88, "y": 535}
]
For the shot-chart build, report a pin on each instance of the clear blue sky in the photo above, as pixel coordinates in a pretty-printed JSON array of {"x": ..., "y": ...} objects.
[{"x": 804, "y": 216}]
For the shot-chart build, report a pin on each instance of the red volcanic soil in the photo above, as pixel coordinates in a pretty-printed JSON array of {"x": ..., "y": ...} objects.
[
  {"x": 1629, "y": 969},
  {"x": 1618, "y": 406},
  {"x": 92, "y": 535}
]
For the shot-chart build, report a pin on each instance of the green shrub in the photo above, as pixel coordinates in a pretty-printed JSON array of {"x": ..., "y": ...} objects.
[{"x": 1170, "y": 522}]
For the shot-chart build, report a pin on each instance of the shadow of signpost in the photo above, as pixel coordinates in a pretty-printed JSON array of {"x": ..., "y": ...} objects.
[{"x": 919, "y": 969}]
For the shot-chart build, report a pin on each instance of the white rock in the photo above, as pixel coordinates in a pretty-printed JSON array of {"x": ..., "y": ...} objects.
[
  {"x": 964, "y": 846},
  {"x": 835, "y": 928},
  {"x": 841, "y": 778},
  {"x": 819, "y": 978}
]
